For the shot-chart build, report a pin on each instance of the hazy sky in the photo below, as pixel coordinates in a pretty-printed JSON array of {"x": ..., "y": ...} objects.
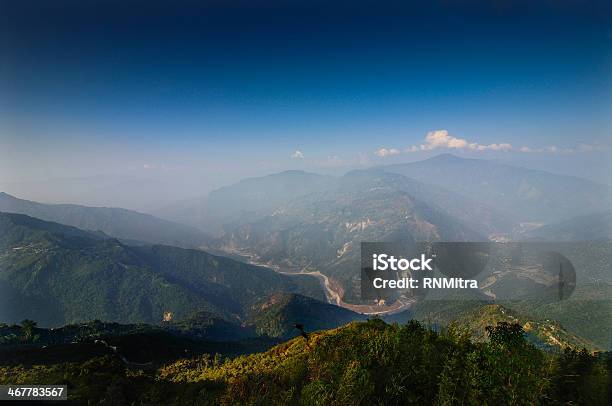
[{"x": 214, "y": 91}]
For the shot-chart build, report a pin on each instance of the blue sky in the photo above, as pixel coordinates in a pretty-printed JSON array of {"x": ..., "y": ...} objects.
[{"x": 205, "y": 87}]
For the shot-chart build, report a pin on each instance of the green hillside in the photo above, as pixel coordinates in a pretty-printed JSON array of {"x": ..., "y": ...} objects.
[
  {"x": 361, "y": 363},
  {"x": 474, "y": 316},
  {"x": 588, "y": 312},
  {"x": 276, "y": 316},
  {"x": 58, "y": 275},
  {"x": 543, "y": 333}
]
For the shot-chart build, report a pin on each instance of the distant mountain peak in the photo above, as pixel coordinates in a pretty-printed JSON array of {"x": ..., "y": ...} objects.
[
  {"x": 446, "y": 156},
  {"x": 521, "y": 194}
]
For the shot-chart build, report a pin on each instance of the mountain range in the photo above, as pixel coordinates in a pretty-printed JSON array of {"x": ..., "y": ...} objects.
[
  {"x": 129, "y": 268},
  {"x": 526, "y": 195},
  {"x": 196, "y": 325},
  {"x": 312, "y": 223},
  {"x": 59, "y": 274},
  {"x": 118, "y": 223},
  {"x": 322, "y": 231}
]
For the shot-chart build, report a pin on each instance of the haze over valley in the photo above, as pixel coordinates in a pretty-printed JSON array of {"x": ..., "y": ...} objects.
[{"x": 295, "y": 232}]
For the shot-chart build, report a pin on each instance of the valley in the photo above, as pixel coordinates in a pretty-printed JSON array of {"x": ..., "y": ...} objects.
[
  {"x": 333, "y": 292},
  {"x": 284, "y": 236}
]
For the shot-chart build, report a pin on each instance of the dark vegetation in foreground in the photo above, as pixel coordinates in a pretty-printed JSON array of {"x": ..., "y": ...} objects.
[{"x": 362, "y": 363}]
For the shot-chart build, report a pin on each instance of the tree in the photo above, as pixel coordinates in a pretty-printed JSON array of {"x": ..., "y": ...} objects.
[
  {"x": 510, "y": 369},
  {"x": 27, "y": 327},
  {"x": 507, "y": 335}
]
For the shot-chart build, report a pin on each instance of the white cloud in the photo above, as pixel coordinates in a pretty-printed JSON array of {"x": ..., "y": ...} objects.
[
  {"x": 504, "y": 146},
  {"x": 297, "y": 154},
  {"x": 551, "y": 149},
  {"x": 556, "y": 150},
  {"x": 441, "y": 139},
  {"x": 383, "y": 152}
]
